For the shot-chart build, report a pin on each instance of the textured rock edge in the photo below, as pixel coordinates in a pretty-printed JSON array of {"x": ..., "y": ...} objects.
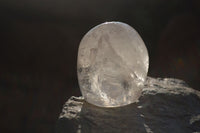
[{"x": 167, "y": 86}]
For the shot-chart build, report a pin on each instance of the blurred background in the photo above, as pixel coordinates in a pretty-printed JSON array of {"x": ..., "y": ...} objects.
[{"x": 39, "y": 44}]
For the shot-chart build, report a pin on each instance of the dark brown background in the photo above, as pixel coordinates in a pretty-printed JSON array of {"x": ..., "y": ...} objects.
[{"x": 39, "y": 43}]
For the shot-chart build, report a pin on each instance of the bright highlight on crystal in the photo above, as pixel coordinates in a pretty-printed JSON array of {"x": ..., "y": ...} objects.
[{"x": 112, "y": 65}]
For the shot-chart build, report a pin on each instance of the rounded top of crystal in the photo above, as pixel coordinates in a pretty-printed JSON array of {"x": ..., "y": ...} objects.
[{"x": 112, "y": 65}]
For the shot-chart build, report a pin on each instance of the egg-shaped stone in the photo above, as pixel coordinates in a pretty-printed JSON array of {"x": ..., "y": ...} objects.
[{"x": 112, "y": 65}]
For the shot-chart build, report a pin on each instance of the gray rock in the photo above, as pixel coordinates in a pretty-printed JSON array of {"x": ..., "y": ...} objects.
[{"x": 166, "y": 106}]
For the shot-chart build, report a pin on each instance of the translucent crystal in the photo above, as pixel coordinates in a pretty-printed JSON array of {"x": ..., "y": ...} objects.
[{"x": 112, "y": 65}]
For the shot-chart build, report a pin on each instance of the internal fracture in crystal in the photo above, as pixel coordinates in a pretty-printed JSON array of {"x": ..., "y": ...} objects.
[{"x": 112, "y": 65}]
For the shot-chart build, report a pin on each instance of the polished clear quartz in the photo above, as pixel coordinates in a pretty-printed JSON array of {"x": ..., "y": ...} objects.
[{"x": 112, "y": 65}]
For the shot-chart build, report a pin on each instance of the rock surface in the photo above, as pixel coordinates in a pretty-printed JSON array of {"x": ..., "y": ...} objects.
[{"x": 166, "y": 106}]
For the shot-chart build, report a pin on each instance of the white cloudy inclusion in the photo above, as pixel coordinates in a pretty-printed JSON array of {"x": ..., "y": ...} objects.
[{"x": 112, "y": 65}]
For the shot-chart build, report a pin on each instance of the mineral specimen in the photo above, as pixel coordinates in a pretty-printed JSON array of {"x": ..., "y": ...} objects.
[{"x": 112, "y": 65}]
